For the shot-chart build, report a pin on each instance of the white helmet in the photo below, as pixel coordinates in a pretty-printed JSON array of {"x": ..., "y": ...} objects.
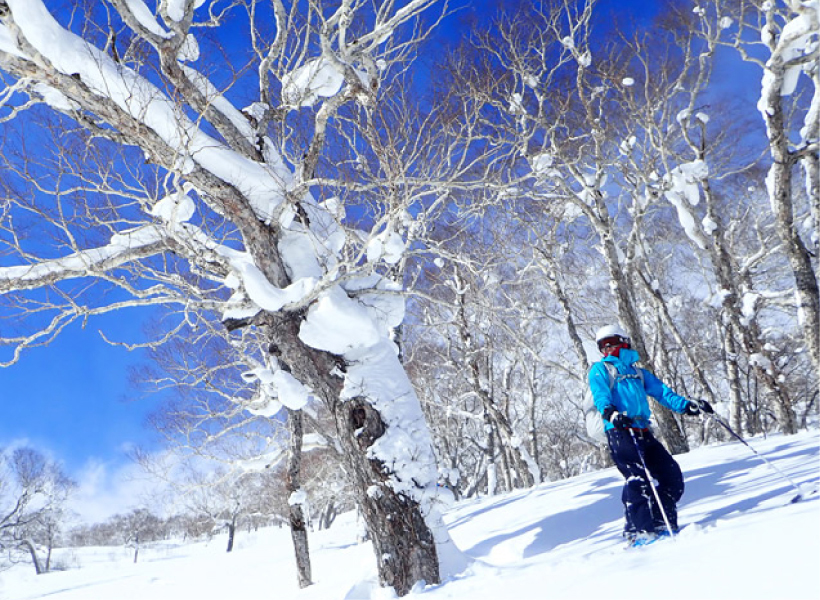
[{"x": 610, "y": 331}]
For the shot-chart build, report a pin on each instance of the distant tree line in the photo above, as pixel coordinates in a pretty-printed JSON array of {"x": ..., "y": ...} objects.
[{"x": 35, "y": 493}]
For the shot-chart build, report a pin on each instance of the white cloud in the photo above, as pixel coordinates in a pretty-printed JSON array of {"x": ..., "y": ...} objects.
[{"x": 106, "y": 488}]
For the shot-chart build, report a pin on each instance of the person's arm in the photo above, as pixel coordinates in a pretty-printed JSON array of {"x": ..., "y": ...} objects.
[{"x": 662, "y": 393}]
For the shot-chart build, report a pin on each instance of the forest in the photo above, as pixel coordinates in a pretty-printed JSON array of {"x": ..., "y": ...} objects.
[{"x": 370, "y": 271}]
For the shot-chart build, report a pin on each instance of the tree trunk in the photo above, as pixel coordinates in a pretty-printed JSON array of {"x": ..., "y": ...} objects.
[
  {"x": 328, "y": 514},
  {"x": 296, "y": 515},
  {"x": 811, "y": 168},
  {"x": 733, "y": 375},
  {"x": 779, "y": 183},
  {"x": 231, "y": 534},
  {"x": 29, "y": 545},
  {"x": 402, "y": 541},
  {"x": 479, "y": 475},
  {"x": 533, "y": 417},
  {"x": 505, "y": 459},
  {"x": 489, "y": 455}
]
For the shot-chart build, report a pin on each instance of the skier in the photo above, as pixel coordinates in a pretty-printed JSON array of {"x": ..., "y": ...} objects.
[{"x": 619, "y": 390}]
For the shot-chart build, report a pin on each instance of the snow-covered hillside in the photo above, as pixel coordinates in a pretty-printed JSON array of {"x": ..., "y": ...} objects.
[{"x": 742, "y": 538}]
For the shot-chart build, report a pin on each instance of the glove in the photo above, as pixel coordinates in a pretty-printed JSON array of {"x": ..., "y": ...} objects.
[
  {"x": 704, "y": 406},
  {"x": 619, "y": 420},
  {"x": 695, "y": 407}
]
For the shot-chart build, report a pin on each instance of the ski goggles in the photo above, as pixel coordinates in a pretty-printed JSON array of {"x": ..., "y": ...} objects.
[{"x": 613, "y": 342}]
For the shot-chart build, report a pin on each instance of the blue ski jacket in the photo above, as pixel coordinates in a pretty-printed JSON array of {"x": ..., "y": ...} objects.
[{"x": 628, "y": 394}]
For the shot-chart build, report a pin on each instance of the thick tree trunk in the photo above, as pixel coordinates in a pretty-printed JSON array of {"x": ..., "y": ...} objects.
[{"x": 402, "y": 541}]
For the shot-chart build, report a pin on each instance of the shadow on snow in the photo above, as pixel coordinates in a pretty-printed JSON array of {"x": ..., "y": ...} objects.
[{"x": 601, "y": 516}]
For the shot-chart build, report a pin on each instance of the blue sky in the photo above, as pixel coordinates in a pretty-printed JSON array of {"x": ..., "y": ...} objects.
[{"x": 73, "y": 398}]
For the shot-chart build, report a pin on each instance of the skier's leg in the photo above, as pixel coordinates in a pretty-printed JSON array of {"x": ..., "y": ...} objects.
[
  {"x": 636, "y": 495},
  {"x": 666, "y": 471}
]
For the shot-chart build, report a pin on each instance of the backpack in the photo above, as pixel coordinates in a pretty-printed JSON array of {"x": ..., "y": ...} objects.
[{"x": 594, "y": 420}]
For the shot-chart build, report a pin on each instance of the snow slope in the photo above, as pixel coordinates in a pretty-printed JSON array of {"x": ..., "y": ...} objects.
[{"x": 742, "y": 539}]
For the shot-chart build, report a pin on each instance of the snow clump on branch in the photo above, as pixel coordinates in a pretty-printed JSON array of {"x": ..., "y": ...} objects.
[
  {"x": 683, "y": 191},
  {"x": 317, "y": 78}
]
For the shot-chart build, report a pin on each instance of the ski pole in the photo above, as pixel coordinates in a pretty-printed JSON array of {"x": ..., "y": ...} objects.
[
  {"x": 760, "y": 456},
  {"x": 652, "y": 484}
]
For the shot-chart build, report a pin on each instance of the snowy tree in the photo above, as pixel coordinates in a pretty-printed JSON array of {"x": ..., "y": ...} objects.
[
  {"x": 219, "y": 497},
  {"x": 296, "y": 497},
  {"x": 137, "y": 527},
  {"x": 179, "y": 178},
  {"x": 33, "y": 492}
]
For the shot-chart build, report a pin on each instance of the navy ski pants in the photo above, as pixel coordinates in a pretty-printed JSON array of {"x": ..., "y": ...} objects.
[{"x": 640, "y": 506}]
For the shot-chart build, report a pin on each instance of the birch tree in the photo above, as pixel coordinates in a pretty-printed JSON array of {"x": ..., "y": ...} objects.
[{"x": 226, "y": 199}]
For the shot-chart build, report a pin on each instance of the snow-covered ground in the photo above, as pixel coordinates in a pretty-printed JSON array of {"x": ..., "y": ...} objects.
[{"x": 742, "y": 539}]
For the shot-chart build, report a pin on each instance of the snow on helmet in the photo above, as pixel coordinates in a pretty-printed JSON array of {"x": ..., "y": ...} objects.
[{"x": 611, "y": 335}]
